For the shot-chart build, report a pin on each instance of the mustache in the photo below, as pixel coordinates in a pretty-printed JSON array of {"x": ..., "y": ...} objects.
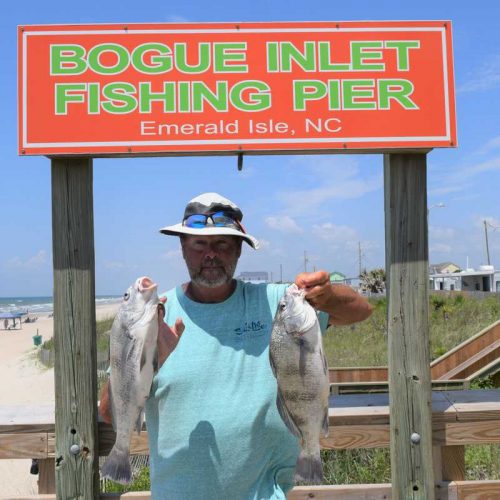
[{"x": 212, "y": 262}]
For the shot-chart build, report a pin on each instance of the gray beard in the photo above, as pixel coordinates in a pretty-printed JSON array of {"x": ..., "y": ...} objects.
[{"x": 225, "y": 275}]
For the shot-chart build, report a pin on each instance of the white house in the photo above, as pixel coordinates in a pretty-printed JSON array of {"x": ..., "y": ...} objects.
[
  {"x": 485, "y": 279},
  {"x": 254, "y": 276}
]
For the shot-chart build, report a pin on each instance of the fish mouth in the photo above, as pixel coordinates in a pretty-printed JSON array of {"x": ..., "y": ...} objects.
[{"x": 146, "y": 284}]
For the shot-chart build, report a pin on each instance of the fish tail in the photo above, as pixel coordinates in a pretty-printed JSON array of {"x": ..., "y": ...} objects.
[
  {"x": 309, "y": 468},
  {"x": 117, "y": 466}
]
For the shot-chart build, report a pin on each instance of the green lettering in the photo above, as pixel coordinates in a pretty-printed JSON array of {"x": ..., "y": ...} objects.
[
  {"x": 161, "y": 58},
  {"x": 290, "y": 53},
  {"x": 167, "y": 96},
  {"x": 272, "y": 57},
  {"x": 93, "y": 96},
  {"x": 202, "y": 94},
  {"x": 244, "y": 99},
  {"x": 203, "y": 58},
  {"x": 184, "y": 97},
  {"x": 402, "y": 51},
  {"x": 224, "y": 53},
  {"x": 399, "y": 90},
  {"x": 333, "y": 94},
  {"x": 67, "y": 60},
  {"x": 358, "y": 55},
  {"x": 325, "y": 63},
  {"x": 120, "y": 99},
  {"x": 307, "y": 90},
  {"x": 351, "y": 92},
  {"x": 119, "y": 52},
  {"x": 66, "y": 93}
]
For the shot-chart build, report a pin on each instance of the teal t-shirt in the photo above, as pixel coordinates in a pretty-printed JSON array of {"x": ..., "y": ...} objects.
[{"x": 213, "y": 425}]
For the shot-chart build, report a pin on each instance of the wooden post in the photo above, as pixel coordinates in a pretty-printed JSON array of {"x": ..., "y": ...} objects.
[
  {"x": 76, "y": 453},
  {"x": 408, "y": 329},
  {"x": 46, "y": 476}
]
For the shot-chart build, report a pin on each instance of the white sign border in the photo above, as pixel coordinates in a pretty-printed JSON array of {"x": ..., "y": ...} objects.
[{"x": 32, "y": 145}]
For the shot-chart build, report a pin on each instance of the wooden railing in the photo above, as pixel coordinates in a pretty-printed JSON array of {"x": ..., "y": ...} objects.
[
  {"x": 476, "y": 357},
  {"x": 356, "y": 421}
]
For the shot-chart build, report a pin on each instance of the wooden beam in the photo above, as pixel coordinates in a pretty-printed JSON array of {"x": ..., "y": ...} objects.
[
  {"x": 456, "y": 490},
  {"x": 75, "y": 371},
  {"x": 408, "y": 329}
]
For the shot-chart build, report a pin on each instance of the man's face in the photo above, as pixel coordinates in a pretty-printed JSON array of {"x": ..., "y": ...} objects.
[{"x": 211, "y": 260}]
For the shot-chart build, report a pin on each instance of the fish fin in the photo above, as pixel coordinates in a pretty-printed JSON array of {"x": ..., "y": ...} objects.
[
  {"x": 286, "y": 416},
  {"x": 143, "y": 359},
  {"x": 271, "y": 362},
  {"x": 112, "y": 406},
  {"x": 326, "y": 427},
  {"x": 309, "y": 468},
  {"x": 303, "y": 351},
  {"x": 325, "y": 362},
  {"x": 117, "y": 466},
  {"x": 155, "y": 360},
  {"x": 138, "y": 424}
]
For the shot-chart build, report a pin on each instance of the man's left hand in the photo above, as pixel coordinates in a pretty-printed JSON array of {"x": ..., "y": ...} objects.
[
  {"x": 341, "y": 302},
  {"x": 317, "y": 286}
]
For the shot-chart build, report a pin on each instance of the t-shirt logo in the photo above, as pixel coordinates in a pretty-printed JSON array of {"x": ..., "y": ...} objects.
[{"x": 254, "y": 326}]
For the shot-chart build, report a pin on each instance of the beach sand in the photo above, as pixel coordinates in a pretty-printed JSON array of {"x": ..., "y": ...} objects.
[{"x": 29, "y": 383}]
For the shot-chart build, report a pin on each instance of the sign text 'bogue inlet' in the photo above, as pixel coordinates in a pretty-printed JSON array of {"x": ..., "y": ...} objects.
[{"x": 250, "y": 87}]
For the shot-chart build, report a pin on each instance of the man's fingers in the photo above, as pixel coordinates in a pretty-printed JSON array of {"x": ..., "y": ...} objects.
[{"x": 179, "y": 327}]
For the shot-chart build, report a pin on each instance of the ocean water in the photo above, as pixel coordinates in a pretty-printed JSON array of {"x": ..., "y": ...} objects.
[{"x": 35, "y": 305}]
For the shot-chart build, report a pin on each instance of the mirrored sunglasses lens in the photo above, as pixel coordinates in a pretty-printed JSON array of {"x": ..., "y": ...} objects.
[
  {"x": 222, "y": 220},
  {"x": 196, "y": 221}
]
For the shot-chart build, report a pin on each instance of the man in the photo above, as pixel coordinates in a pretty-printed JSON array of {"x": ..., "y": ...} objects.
[{"x": 213, "y": 425}]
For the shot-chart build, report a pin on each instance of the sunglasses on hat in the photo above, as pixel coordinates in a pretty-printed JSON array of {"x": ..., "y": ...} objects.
[{"x": 217, "y": 219}]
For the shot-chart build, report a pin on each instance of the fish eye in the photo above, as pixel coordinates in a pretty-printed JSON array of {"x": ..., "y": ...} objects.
[
  {"x": 126, "y": 296},
  {"x": 282, "y": 306}
]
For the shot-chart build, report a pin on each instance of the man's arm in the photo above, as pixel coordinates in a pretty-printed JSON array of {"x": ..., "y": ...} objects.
[{"x": 341, "y": 302}]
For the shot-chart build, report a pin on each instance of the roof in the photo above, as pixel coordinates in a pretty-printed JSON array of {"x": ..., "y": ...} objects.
[
  {"x": 463, "y": 273},
  {"x": 438, "y": 268},
  {"x": 11, "y": 315}
]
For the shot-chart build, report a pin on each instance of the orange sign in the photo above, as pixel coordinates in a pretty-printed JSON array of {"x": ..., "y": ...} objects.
[{"x": 250, "y": 87}]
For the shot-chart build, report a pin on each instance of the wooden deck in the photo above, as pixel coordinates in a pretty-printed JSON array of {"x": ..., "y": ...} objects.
[{"x": 356, "y": 421}]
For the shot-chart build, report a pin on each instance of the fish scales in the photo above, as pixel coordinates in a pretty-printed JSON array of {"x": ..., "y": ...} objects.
[
  {"x": 300, "y": 367},
  {"x": 133, "y": 362}
]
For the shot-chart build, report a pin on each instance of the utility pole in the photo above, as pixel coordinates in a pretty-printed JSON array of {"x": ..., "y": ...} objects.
[
  {"x": 359, "y": 253},
  {"x": 271, "y": 277},
  {"x": 281, "y": 273},
  {"x": 306, "y": 260},
  {"x": 487, "y": 245}
]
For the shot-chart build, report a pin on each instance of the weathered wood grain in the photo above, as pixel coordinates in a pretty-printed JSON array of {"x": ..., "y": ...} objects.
[
  {"x": 455, "y": 490},
  {"x": 407, "y": 265},
  {"x": 75, "y": 371}
]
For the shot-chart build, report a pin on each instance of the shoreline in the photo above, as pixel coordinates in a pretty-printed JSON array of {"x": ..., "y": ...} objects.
[{"x": 30, "y": 383}]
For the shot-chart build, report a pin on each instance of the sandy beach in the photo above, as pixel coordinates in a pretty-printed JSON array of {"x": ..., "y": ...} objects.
[{"x": 29, "y": 383}]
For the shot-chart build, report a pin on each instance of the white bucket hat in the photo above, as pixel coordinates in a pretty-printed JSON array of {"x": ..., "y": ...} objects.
[{"x": 228, "y": 222}]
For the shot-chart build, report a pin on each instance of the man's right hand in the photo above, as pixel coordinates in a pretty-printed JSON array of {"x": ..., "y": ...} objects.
[{"x": 168, "y": 338}]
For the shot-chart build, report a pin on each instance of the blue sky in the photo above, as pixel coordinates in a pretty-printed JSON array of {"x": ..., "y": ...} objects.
[{"x": 323, "y": 205}]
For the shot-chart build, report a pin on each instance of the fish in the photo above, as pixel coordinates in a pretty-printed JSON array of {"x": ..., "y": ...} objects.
[
  {"x": 299, "y": 364},
  {"x": 133, "y": 363}
]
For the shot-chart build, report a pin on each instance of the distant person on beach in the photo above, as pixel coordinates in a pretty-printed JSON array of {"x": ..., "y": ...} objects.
[
  {"x": 6, "y": 323},
  {"x": 213, "y": 426}
]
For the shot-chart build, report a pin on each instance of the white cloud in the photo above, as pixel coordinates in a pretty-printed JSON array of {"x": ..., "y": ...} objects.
[
  {"x": 339, "y": 178},
  {"x": 441, "y": 233},
  {"x": 283, "y": 223},
  {"x": 175, "y": 254},
  {"x": 484, "y": 78},
  {"x": 336, "y": 234},
  {"x": 114, "y": 265},
  {"x": 440, "y": 248},
  {"x": 37, "y": 261}
]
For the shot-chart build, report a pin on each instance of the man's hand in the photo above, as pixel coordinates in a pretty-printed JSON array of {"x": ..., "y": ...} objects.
[
  {"x": 341, "y": 302},
  {"x": 168, "y": 338}
]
